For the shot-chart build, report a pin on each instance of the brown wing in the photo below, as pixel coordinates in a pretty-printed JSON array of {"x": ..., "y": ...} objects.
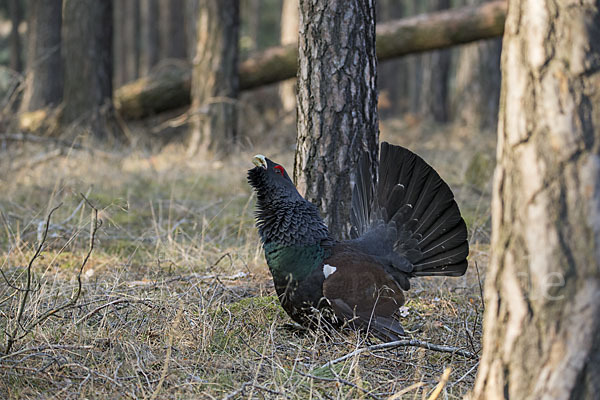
[{"x": 361, "y": 292}]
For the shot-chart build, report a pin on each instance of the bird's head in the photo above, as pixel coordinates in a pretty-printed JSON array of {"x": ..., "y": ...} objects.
[
  {"x": 271, "y": 182},
  {"x": 282, "y": 215}
]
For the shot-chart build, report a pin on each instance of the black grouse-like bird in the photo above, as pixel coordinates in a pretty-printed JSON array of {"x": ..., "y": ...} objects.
[{"x": 404, "y": 224}]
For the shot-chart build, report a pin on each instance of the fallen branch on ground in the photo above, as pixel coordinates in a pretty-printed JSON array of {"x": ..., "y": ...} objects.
[{"x": 403, "y": 343}]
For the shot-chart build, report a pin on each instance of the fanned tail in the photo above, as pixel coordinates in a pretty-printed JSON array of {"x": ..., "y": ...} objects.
[{"x": 418, "y": 207}]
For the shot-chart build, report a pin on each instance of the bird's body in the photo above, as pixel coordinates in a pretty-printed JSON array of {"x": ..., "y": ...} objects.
[{"x": 405, "y": 224}]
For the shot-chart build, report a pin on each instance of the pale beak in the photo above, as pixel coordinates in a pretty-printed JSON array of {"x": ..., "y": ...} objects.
[{"x": 260, "y": 161}]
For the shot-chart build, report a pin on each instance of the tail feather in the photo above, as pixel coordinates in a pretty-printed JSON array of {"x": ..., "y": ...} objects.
[{"x": 410, "y": 194}]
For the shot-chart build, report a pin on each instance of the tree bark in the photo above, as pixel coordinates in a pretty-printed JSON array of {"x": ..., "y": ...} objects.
[
  {"x": 149, "y": 36},
  {"x": 542, "y": 318},
  {"x": 275, "y": 64},
  {"x": 215, "y": 83},
  {"x": 254, "y": 10},
  {"x": 16, "y": 15},
  {"x": 173, "y": 42},
  {"x": 475, "y": 90},
  {"x": 87, "y": 45},
  {"x": 337, "y": 103},
  {"x": 44, "y": 77},
  {"x": 289, "y": 36},
  {"x": 392, "y": 75},
  {"x": 436, "y": 72},
  {"x": 126, "y": 41}
]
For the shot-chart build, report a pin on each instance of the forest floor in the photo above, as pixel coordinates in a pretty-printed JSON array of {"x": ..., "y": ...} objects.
[{"x": 176, "y": 300}]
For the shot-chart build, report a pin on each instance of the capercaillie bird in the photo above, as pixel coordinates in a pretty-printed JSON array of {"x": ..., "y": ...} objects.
[{"x": 405, "y": 224}]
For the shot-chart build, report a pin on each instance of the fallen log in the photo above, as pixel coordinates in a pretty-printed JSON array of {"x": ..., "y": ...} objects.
[{"x": 169, "y": 88}]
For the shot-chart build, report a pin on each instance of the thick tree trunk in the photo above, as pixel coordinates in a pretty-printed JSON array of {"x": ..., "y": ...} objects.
[
  {"x": 289, "y": 36},
  {"x": 87, "y": 44},
  {"x": 542, "y": 318},
  {"x": 275, "y": 64},
  {"x": 476, "y": 88},
  {"x": 253, "y": 18},
  {"x": 173, "y": 42},
  {"x": 126, "y": 41},
  {"x": 436, "y": 71},
  {"x": 337, "y": 103},
  {"x": 215, "y": 83},
  {"x": 16, "y": 15},
  {"x": 149, "y": 36},
  {"x": 44, "y": 77},
  {"x": 392, "y": 75},
  {"x": 120, "y": 56},
  {"x": 191, "y": 26}
]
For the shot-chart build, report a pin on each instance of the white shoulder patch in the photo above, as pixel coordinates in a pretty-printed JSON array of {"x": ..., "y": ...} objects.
[{"x": 328, "y": 270}]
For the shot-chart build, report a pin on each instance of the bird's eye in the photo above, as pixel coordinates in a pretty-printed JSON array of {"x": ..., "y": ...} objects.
[{"x": 278, "y": 169}]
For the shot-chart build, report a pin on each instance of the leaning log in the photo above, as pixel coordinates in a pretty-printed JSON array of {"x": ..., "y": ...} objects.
[{"x": 169, "y": 88}]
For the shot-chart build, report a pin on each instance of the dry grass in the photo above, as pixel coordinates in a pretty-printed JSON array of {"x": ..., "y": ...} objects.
[{"x": 177, "y": 301}]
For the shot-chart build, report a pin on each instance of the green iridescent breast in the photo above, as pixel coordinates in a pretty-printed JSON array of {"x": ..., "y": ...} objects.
[{"x": 295, "y": 261}]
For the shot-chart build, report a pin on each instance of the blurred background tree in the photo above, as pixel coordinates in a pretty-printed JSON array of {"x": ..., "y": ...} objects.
[
  {"x": 88, "y": 54},
  {"x": 44, "y": 75},
  {"x": 153, "y": 49}
]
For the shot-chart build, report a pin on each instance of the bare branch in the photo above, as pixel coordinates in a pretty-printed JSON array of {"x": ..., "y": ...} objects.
[
  {"x": 12, "y": 336},
  {"x": 73, "y": 299},
  {"x": 403, "y": 343}
]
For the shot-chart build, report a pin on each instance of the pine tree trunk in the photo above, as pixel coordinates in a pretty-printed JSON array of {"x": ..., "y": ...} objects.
[
  {"x": 475, "y": 90},
  {"x": 149, "y": 36},
  {"x": 392, "y": 77},
  {"x": 87, "y": 44},
  {"x": 191, "y": 26},
  {"x": 435, "y": 76},
  {"x": 289, "y": 35},
  {"x": 131, "y": 39},
  {"x": 254, "y": 9},
  {"x": 44, "y": 78},
  {"x": 119, "y": 48},
  {"x": 16, "y": 15},
  {"x": 542, "y": 317},
  {"x": 215, "y": 82},
  {"x": 126, "y": 41},
  {"x": 337, "y": 102},
  {"x": 173, "y": 42}
]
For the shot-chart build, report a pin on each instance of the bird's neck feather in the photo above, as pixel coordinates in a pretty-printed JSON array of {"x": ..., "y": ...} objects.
[{"x": 290, "y": 223}]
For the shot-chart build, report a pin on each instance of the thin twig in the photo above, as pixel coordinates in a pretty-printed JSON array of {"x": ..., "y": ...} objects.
[
  {"x": 480, "y": 287},
  {"x": 112, "y": 303},
  {"x": 73, "y": 300},
  {"x": 165, "y": 369},
  {"x": 401, "y": 343},
  {"x": 340, "y": 380},
  {"x": 440, "y": 386},
  {"x": 466, "y": 374},
  {"x": 13, "y": 335},
  {"x": 47, "y": 347}
]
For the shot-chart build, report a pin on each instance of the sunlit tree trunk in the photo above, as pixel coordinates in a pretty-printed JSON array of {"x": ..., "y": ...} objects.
[
  {"x": 16, "y": 15},
  {"x": 542, "y": 319},
  {"x": 435, "y": 78},
  {"x": 289, "y": 35},
  {"x": 215, "y": 82},
  {"x": 476, "y": 82},
  {"x": 87, "y": 43},
  {"x": 337, "y": 102},
  {"x": 392, "y": 77},
  {"x": 44, "y": 75},
  {"x": 149, "y": 35},
  {"x": 173, "y": 41},
  {"x": 126, "y": 41}
]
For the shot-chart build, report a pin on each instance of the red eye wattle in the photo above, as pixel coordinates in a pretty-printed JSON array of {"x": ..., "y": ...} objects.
[{"x": 279, "y": 169}]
